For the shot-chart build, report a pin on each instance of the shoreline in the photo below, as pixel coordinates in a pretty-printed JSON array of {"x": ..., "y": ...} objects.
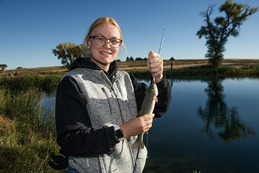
[{"x": 139, "y": 66}]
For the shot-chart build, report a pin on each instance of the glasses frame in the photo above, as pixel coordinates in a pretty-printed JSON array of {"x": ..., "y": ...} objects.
[{"x": 110, "y": 43}]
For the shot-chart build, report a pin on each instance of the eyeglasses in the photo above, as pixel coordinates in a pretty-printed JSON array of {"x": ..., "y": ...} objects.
[{"x": 100, "y": 41}]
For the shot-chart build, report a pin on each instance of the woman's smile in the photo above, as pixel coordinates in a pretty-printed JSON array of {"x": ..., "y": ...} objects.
[
  {"x": 100, "y": 45},
  {"x": 105, "y": 52}
]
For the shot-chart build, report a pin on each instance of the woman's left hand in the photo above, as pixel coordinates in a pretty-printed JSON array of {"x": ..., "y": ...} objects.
[{"x": 155, "y": 65}]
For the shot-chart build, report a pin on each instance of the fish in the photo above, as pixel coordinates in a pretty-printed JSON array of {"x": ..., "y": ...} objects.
[{"x": 147, "y": 107}]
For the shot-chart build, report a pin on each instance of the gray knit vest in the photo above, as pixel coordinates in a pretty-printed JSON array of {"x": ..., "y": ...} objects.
[{"x": 108, "y": 104}]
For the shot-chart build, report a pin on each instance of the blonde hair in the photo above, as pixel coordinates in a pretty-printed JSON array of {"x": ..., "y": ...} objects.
[{"x": 102, "y": 20}]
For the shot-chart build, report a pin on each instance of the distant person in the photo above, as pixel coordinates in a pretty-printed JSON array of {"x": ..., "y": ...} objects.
[
  {"x": 10, "y": 74},
  {"x": 96, "y": 106},
  {"x": 16, "y": 73}
]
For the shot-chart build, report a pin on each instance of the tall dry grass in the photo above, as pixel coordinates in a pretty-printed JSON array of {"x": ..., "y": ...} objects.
[{"x": 27, "y": 134}]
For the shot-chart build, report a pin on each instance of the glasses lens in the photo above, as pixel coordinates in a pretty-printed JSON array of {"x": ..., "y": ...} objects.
[
  {"x": 100, "y": 41},
  {"x": 115, "y": 42}
]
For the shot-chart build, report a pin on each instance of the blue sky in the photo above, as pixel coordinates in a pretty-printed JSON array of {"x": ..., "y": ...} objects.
[{"x": 30, "y": 29}]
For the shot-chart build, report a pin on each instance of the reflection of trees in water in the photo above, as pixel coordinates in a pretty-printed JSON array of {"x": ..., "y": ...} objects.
[{"x": 225, "y": 120}]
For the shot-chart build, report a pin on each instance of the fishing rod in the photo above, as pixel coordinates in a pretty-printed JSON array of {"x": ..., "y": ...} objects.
[
  {"x": 160, "y": 48},
  {"x": 161, "y": 42}
]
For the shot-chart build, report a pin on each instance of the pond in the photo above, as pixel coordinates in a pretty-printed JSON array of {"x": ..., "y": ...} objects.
[{"x": 212, "y": 126}]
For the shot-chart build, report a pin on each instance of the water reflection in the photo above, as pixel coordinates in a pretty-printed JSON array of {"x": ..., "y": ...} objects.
[{"x": 219, "y": 117}]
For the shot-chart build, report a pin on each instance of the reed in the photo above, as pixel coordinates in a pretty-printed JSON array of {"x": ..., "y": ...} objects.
[
  {"x": 47, "y": 83},
  {"x": 27, "y": 134}
]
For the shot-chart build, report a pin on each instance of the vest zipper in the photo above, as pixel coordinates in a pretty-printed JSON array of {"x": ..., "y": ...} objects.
[
  {"x": 110, "y": 106},
  {"x": 118, "y": 104}
]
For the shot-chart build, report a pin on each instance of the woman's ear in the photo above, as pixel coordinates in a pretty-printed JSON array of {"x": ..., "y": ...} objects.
[{"x": 89, "y": 44}]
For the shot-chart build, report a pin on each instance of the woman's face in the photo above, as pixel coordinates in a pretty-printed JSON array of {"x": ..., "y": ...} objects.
[{"x": 103, "y": 55}]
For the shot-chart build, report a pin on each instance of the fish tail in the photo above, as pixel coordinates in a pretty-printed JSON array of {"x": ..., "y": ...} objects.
[{"x": 138, "y": 143}]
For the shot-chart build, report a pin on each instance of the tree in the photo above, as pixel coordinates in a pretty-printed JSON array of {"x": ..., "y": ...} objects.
[
  {"x": 3, "y": 68},
  {"x": 218, "y": 31},
  {"x": 138, "y": 59},
  {"x": 131, "y": 58},
  {"x": 68, "y": 52},
  {"x": 172, "y": 59}
]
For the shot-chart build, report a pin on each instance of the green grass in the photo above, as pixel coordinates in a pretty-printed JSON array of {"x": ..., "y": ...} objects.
[
  {"x": 27, "y": 135},
  {"x": 207, "y": 72},
  {"x": 201, "y": 72},
  {"x": 46, "y": 83}
]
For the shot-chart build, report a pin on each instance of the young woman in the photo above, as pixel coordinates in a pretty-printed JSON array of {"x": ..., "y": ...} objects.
[{"x": 96, "y": 106}]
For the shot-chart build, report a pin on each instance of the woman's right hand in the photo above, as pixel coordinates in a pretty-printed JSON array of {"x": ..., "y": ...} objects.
[{"x": 137, "y": 125}]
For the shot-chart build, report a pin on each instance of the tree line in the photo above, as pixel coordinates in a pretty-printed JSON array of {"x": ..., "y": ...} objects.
[{"x": 215, "y": 31}]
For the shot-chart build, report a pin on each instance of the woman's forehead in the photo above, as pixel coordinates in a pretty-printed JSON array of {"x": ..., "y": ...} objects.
[{"x": 107, "y": 30}]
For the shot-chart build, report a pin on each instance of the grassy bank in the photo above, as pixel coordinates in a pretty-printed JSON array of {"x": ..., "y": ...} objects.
[
  {"x": 181, "y": 68},
  {"x": 208, "y": 72},
  {"x": 27, "y": 134},
  {"x": 197, "y": 68},
  {"x": 46, "y": 83},
  {"x": 204, "y": 72}
]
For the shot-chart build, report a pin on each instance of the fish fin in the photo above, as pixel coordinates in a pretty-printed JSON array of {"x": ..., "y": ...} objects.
[
  {"x": 156, "y": 99},
  {"x": 138, "y": 144}
]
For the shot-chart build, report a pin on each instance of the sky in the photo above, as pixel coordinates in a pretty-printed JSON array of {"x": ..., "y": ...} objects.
[{"x": 30, "y": 29}]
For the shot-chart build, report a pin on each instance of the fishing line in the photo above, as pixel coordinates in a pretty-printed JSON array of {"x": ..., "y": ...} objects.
[
  {"x": 159, "y": 51},
  {"x": 161, "y": 42}
]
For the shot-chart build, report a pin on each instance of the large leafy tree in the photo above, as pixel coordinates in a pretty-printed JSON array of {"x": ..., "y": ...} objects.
[
  {"x": 218, "y": 31},
  {"x": 68, "y": 52}
]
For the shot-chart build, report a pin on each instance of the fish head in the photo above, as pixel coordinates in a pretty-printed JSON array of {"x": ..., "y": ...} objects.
[{"x": 153, "y": 89}]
